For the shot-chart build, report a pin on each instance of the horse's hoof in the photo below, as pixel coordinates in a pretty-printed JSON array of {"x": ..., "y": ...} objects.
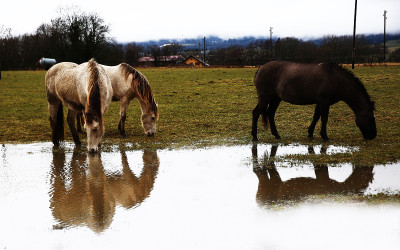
[
  {"x": 326, "y": 139},
  {"x": 255, "y": 139},
  {"x": 123, "y": 135},
  {"x": 311, "y": 137},
  {"x": 277, "y": 137}
]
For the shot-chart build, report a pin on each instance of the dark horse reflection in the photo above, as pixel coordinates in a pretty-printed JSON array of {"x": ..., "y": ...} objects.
[
  {"x": 83, "y": 194},
  {"x": 272, "y": 190}
]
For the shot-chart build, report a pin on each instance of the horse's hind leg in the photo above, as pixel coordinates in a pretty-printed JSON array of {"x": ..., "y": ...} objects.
[
  {"x": 256, "y": 115},
  {"x": 257, "y": 111},
  {"x": 317, "y": 115},
  {"x": 271, "y": 117},
  {"x": 324, "y": 121},
  {"x": 123, "y": 107},
  {"x": 71, "y": 123}
]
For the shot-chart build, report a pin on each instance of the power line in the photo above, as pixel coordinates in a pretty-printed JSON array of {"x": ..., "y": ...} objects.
[{"x": 270, "y": 38}]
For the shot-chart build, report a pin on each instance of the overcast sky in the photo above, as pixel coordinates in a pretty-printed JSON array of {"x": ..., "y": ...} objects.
[{"x": 158, "y": 19}]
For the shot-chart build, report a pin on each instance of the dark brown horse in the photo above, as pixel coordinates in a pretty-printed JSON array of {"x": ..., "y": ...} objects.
[{"x": 323, "y": 84}]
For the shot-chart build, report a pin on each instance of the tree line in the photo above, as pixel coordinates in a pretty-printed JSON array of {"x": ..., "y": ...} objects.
[
  {"x": 77, "y": 36},
  {"x": 74, "y": 36},
  {"x": 336, "y": 49}
]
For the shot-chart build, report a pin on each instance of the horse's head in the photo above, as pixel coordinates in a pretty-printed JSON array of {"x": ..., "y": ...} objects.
[
  {"x": 94, "y": 131},
  {"x": 149, "y": 120},
  {"x": 366, "y": 123}
]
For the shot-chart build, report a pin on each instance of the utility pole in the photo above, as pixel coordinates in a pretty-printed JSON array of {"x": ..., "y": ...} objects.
[
  {"x": 384, "y": 36},
  {"x": 270, "y": 39},
  {"x": 354, "y": 35},
  {"x": 204, "y": 51},
  {"x": 199, "y": 54}
]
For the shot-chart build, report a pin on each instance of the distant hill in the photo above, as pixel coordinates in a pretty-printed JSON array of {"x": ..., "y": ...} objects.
[
  {"x": 212, "y": 42},
  {"x": 215, "y": 42}
]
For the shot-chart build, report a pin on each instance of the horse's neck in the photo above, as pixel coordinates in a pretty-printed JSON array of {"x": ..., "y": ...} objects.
[
  {"x": 145, "y": 98},
  {"x": 143, "y": 104},
  {"x": 355, "y": 99}
]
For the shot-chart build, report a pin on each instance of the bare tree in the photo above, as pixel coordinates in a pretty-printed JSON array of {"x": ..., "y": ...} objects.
[{"x": 132, "y": 53}]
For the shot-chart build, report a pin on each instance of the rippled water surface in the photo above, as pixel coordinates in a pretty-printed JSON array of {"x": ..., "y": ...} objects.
[{"x": 214, "y": 198}]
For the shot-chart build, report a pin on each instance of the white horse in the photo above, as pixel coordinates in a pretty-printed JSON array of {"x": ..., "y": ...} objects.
[
  {"x": 82, "y": 88},
  {"x": 127, "y": 84}
]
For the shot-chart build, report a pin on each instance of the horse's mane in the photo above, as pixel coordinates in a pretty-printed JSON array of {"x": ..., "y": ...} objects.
[
  {"x": 93, "y": 107},
  {"x": 357, "y": 83},
  {"x": 141, "y": 84}
]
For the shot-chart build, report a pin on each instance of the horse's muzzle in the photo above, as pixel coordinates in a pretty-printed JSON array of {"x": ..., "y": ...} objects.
[
  {"x": 93, "y": 150},
  {"x": 369, "y": 137},
  {"x": 150, "y": 133}
]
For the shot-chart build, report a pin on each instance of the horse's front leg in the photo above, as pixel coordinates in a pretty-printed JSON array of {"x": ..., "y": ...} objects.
[
  {"x": 324, "y": 109},
  {"x": 71, "y": 117},
  {"x": 123, "y": 107},
  {"x": 317, "y": 115},
  {"x": 56, "y": 121},
  {"x": 79, "y": 122}
]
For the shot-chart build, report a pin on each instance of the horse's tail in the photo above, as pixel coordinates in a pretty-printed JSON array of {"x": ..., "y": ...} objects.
[
  {"x": 264, "y": 119},
  {"x": 58, "y": 134},
  {"x": 256, "y": 75}
]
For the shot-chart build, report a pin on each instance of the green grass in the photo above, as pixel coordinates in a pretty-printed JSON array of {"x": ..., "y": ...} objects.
[
  {"x": 212, "y": 106},
  {"x": 393, "y": 45}
]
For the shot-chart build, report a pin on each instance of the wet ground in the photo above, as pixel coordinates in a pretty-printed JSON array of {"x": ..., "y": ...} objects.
[{"x": 214, "y": 198}]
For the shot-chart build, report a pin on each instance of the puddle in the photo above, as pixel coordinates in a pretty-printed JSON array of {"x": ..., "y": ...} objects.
[{"x": 214, "y": 198}]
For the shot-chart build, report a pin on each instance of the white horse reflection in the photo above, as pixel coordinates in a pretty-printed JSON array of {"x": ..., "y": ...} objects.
[{"x": 82, "y": 194}]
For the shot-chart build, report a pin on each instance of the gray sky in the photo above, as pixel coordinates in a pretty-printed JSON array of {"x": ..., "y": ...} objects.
[{"x": 157, "y": 19}]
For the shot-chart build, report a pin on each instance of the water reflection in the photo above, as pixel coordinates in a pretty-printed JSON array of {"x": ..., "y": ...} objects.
[
  {"x": 83, "y": 193},
  {"x": 272, "y": 190}
]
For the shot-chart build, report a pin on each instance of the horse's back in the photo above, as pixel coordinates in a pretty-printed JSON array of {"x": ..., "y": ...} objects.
[
  {"x": 68, "y": 81},
  {"x": 296, "y": 83},
  {"x": 53, "y": 75},
  {"x": 121, "y": 87}
]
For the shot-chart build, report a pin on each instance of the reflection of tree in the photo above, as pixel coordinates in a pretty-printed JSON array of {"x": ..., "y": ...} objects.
[
  {"x": 271, "y": 189},
  {"x": 82, "y": 193}
]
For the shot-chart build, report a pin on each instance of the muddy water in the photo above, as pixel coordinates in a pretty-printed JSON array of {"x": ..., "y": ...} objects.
[{"x": 213, "y": 198}]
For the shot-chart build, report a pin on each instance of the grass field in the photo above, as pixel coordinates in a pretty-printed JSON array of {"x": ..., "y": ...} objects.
[
  {"x": 212, "y": 106},
  {"x": 393, "y": 45}
]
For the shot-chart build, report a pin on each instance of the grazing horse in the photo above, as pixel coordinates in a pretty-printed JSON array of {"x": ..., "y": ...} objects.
[
  {"x": 323, "y": 84},
  {"x": 82, "y": 88},
  {"x": 127, "y": 84}
]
